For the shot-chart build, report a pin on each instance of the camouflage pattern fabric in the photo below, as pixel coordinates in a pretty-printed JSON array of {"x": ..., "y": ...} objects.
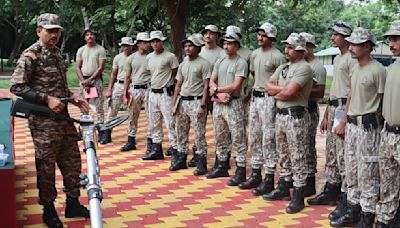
[
  {"x": 389, "y": 169},
  {"x": 187, "y": 114},
  {"x": 362, "y": 167},
  {"x": 291, "y": 145},
  {"x": 117, "y": 98},
  {"x": 139, "y": 97},
  {"x": 98, "y": 102},
  {"x": 262, "y": 133},
  {"x": 229, "y": 123},
  {"x": 361, "y": 35},
  {"x": 312, "y": 150},
  {"x": 159, "y": 108}
]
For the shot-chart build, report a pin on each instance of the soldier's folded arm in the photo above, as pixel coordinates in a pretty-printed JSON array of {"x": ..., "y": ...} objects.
[
  {"x": 288, "y": 92},
  {"x": 272, "y": 87}
]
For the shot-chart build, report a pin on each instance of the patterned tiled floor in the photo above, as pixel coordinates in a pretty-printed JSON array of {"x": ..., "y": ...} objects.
[{"x": 145, "y": 194}]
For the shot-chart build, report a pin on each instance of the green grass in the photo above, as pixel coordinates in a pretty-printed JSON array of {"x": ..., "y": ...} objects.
[
  {"x": 328, "y": 83},
  {"x": 73, "y": 80},
  {"x": 4, "y": 84}
]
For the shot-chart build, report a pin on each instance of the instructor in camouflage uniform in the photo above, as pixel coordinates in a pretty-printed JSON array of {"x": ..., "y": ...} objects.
[
  {"x": 263, "y": 63},
  {"x": 363, "y": 127},
  {"x": 189, "y": 105},
  {"x": 40, "y": 77},
  {"x": 291, "y": 86}
]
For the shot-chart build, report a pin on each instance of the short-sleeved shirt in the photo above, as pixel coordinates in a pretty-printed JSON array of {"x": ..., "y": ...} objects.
[
  {"x": 243, "y": 52},
  {"x": 90, "y": 57},
  {"x": 264, "y": 65},
  {"x": 342, "y": 68},
  {"x": 227, "y": 69},
  {"x": 300, "y": 73},
  {"x": 211, "y": 55},
  {"x": 391, "y": 100},
  {"x": 367, "y": 83},
  {"x": 319, "y": 74},
  {"x": 119, "y": 63},
  {"x": 160, "y": 67},
  {"x": 137, "y": 63},
  {"x": 192, "y": 73}
]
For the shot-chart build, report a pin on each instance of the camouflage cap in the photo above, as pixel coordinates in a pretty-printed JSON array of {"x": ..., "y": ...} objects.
[
  {"x": 89, "y": 29},
  {"x": 309, "y": 38},
  {"x": 361, "y": 35},
  {"x": 296, "y": 41},
  {"x": 127, "y": 41},
  {"x": 231, "y": 37},
  {"x": 269, "y": 29},
  {"x": 157, "y": 35},
  {"x": 211, "y": 28},
  {"x": 49, "y": 21},
  {"x": 142, "y": 36},
  {"x": 233, "y": 29},
  {"x": 342, "y": 28},
  {"x": 394, "y": 29},
  {"x": 195, "y": 39}
]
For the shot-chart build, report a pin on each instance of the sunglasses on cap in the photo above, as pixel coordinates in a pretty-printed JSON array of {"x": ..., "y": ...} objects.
[{"x": 342, "y": 24}]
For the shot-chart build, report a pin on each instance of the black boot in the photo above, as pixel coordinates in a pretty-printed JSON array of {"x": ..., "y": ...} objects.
[
  {"x": 130, "y": 145},
  {"x": 215, "y": 162},
  {"x": 297, "y": 202},
  {"x": 155, "y": 153},
  {"x": 381, "y": 225},
  {"x": 50, "y": 217},
  {"x": 309, "y": 190},
  {"x": 254, "y": 180},
  {"x": 106, "y": 137},
  {"x": 149, "y": 145},
  {"x": 220, "y": 171},
  {"x": 395, "y": 223},
  {"x": 180, "y": 161},
  {"x": 75, "y": 209},
  {"x": 100, "y": 136},
  {"x": 170, "y": 151},
  {"x": 229, "y": 160},
  {"x": 350, "y": 218},
  {"x": 240, "y": 177},
  {"x": 340, "y": 208},
  {"x": 265, "y": 187},
  {"x": 193, "y": 161},
  {"x": 366, "y": 220},
  {"x": 201, "y": 167},
  {"x": 327, "y": 197},
  {"x": 280, "y": 193}
]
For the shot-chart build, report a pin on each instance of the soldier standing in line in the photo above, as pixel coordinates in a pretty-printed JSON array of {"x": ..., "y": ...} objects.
[
  {"x": 40, "y": 77},
  {"x": 263, "y": 63},
  {"x": 115, "y": 88},
  {"x": 163, "y": 67},
  {"x": 317, "y": 92},
  {"x": 363, "y": 109},
  {"x": 226, "y": 87},
  {"x": 389, "y": 150},
  {"x": 291, "y": 86},
  {"x": 335, "y": 185},
  {"x": 189, "y": 105},
  {"x": 90, "y": 63},
  {"x": 139, "y": 80}
]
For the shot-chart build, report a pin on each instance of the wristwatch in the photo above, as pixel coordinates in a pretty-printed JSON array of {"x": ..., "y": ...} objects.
[{"x": 215, "y": 89}]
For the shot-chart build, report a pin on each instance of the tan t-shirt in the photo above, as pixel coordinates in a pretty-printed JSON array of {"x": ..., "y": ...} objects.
[
  {"x": 243, "y": 52},
  {"x": 192, "y": 73},
  {"x": 391, "y": 100},
  {"x": 136, "y": 62},
  {"x": 119, "y": 63},
  {"x": 90, "y": 57},
  {"x": 319, "y": 74},
  {"x": 227, "y": 69},
  {"x": 160, "y": 67},
  {"x": 211, "y": 55},
  {"x": 264, "y": 65},
  {"x": 300, "y": 73},
  {"x": 367, "y": 83},
  {"x": 342, "y": 68}
]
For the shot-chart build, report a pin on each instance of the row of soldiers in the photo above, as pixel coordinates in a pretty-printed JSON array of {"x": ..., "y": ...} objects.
[{"x": 281, "y": 111}]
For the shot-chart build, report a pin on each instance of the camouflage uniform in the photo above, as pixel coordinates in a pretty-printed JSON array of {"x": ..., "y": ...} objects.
[
  {"x": 139, "y": 98},
  {"x": 43, "y": 70}
]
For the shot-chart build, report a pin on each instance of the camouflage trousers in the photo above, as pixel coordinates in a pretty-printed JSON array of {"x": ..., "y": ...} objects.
[
  {"x": 159, "y": 109},
  {"x": 312, "y": 150},
  {"x": 228, "y": 121},
  {"x": 362, "y": 167},
  {"x": 139, "y": 97},
  {"x": 262, "y": 133},
  {"x": 117, "y": 98},
  {"x": 187, "y": 114},
  {"x": 335, "y": 166},
  {"x": 292, "y": 147},
  {"x": 98, "y": 102},
  {"x": 389, "y": 169},
  {"x": 55, "y": 142}
]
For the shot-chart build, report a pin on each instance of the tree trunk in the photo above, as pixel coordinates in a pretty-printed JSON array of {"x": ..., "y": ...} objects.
[
  {"x": 64, "y": 42},
  {"x": 19, "y": 39},
  {"x": 85, "y": 17},
  {"x": 177, "y": 14},
  {"x": 130, "y": 31}
]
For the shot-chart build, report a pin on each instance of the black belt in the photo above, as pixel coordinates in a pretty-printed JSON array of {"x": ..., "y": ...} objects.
[
  {"x": 369, "y": 121},
  {"x": 258, "y": 93},
  {"x": 191, "y": 98},
  {"x": 312, "y": 106},
  {"x": 120, "y": 81},
  {"x": 296, "y": 111},
  {"x": 87, "y": 77},
  {"x": 234, "y": 97},
  {"x": 337, "y": 102},
  {"x": 169, "y": 90},
  {"x": 393, "y": 129},
  {"x": 140, "y": 86}
]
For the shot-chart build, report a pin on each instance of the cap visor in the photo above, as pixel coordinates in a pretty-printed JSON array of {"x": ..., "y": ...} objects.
[{"x": 51, "y": 26}]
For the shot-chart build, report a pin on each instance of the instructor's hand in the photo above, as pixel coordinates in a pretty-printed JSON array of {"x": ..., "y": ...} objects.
[
  {"x": 82, "y": 104},
  {"x": 324, "y": 125},
  {"x": 55, "y": 104}
]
